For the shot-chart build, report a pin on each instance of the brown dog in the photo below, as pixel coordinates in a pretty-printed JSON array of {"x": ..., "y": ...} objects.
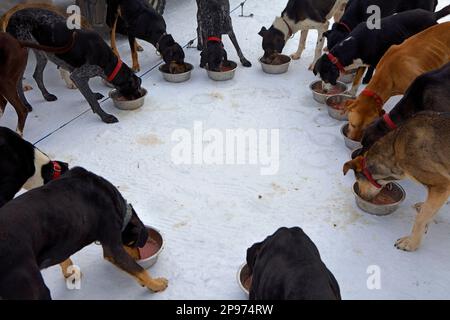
[
  {"x": 419, "y": 150},
  {"x": 399, "y": 67},
  {"x": 13, "y": 61}
]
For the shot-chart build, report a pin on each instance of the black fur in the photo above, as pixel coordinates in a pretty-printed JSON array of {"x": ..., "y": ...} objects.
[{"x": 287, "y": 266}]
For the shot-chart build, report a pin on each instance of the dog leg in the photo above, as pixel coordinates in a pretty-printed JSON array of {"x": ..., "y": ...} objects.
[
  {"x": 65, "y": 266},
  {"x": 41, "y": 62},
  {"x": 20, "y": 91},
  {"x": 65, "y": 75},
  {"x": 13, "y": 97},
  {"x": 3, "y": 103},
  {"x": 320, "y": 42},
  {"x": 437, "y": 197},
  {"x": 233, "y": 39},
  {"x": 357, "y": 81},
  {"x": 199, "y": 38},
  {"x": 113, "y": 37},
  {"x": 301, "y": 45},
  {"x": 120, "y": 258},
  {"x": 81, "y": 78},
  {"x": 369, "y": 75},
  {"x": 134, "y": 54},
  {"x": 139, "y": 48}
]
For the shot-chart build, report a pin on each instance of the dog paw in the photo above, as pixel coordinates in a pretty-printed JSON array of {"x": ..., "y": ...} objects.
[
  {"x": 246, "y": 63},
  {"x": 139, "y": 48},
  {"x": 199, "y": 47},
  {"x": 29, "y": 107},
  {"x": 50, "y": 97},
  {"x": 418, "y": 206},
  {"x": 109, "y": 118},
  {"x": 71, "y": 85},
  {"x": 158, "y": 285},
  {"x": 311, "y": 67},
  {"x": 99, "y": 96},
  {"x": 27, "y": 87},
  {"x": 407, "y": 244},
  {"x": 136, "y": 68},
  {"x": 295, "y": 56}
]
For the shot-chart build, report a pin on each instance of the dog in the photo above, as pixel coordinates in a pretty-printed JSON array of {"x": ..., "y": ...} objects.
[
  {"x": 398, "y": 68},
  {"x": 13, "y": 62},
  {"x": 47, "y": 225},
  {"x": 430, "y": 92},
  {"x": 301, "y": 15},
  {"x": 23, "y": 166},
  {"x": 418, "y": 150},
  {"x": 89, "y": 56},
  {"x": 365, "y": 46},
  {"x": 287, "y": 266},
  {"x": 213, "y": 18},
  {"x": 138, "y": 19}
]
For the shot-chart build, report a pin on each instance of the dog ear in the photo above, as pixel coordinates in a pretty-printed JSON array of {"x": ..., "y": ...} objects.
[
  {"x": 350, "y": 104},
  {"x": 317, "y": 66},
  {"x": 354, "y": 164},
  {"x": 263, "y": 31}
]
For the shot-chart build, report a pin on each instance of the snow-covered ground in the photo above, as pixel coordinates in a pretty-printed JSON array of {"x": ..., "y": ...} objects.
[{"x": 210, "y": 214}]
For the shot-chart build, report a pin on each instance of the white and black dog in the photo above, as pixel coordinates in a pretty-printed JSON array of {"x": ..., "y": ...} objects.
[
  {"x": 301, "y": 15},
  {"x": 23, "y": 166}
]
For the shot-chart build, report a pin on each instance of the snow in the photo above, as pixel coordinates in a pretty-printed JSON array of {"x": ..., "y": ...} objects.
[{"x": 210, "y": 214}]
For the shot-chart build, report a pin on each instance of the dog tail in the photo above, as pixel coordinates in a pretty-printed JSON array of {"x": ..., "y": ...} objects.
[
  {"x": 442, "y": 13},
  {"x": 57, "y": 50}
]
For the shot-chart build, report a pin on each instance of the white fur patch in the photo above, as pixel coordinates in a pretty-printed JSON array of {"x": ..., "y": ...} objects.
[
  {"x": 65, "y": 75},
  {"x": 36, "y": 180}
]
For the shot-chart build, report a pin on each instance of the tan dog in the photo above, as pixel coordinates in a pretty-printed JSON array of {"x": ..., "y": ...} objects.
[
  {"x": 399, "y": 67},
  {"x": 420, "y": 151}
]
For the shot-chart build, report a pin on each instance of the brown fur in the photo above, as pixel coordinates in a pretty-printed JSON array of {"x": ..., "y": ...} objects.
[
  {"x": 399, "y": 67},
  {"x": 420, "y": 151}
]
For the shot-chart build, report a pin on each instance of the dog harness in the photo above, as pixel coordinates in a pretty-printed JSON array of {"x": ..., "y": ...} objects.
[
  {"x": 391, "y": 124},
  {"x": 374, "y": 95},
  {"x": 127, "y": 217},
  {"x": 116, "y": 70},
  {"x": 334, "y": 60},
  {"x": 56, "y": 170},
  {"x": 345, "y": 26},
  {"x": 368, "y": 175}
]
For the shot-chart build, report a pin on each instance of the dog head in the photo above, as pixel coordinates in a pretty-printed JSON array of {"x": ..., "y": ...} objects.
[
  {"x": 367, "y": 190},
  {"x": 213, "y": 55},
  {"x": 273, "y": 41},
  {"x": 361, "y": 113},
  {"x": 128, "y": 83},
  {"x": 170, "y": 50},
  {"x": 327, "y": 71},
  {"x": 337, "y": 33},
  {"x": 135, "y": 234}
]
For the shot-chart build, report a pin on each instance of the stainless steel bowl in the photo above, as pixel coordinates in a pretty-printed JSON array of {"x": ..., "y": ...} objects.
[
  {"x": 127, "y": 104},
  {"x": 322, "y": 97},
  {"x": 348, "y": 76},
  {"x": 223, "y": 76},
  {"x": 156, "y": 235},
  {"x": 351, "y": 144},
  {"x": 337, "y": 114},
  {"x": 242, "y": 275},
  {"x": 399, "y": 195},
  {"x": 277, "y": 68},
  {"x": 177, "y": 77}
]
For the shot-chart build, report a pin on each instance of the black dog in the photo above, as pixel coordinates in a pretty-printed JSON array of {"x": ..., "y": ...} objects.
[
  {"x": 364, "y": 46},
  {"x": 429, "y": 92},
  {"x": 23, "y": 166},
  {"x": 45, "y": 226},
  {"x": 213, "y": 17},
  {"x": 287, "y": 266},
  {"x": 89, "y": 57},
  {"x": 138, "y": 19}
]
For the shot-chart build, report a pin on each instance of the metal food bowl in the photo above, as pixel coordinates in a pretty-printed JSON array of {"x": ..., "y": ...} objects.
[
  {"x": 225, "y": 75},
  {"x": 127, "y": 104},
  {"x": 348, "y": 76},
  {"x": 242, "y": 275},
  {"x": 351, "y": 144},
  {"x": 156, "y": 235},
  {"x": 276, "y": 68},
  {"x": 176, "y": 77},
  {"x": 320, "y": 97},
  {"x": 337, "y": 114},
  {"x": 398, "y": 194}
]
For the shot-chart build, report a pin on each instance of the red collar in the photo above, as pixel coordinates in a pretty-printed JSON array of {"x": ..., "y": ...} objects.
[
  {"x": 391, "y": 124},
  {"x": 214, "y": 39},
  {"x": 56, "y": 170},
  {"x": 334, "y": 60},
  {"x": 290, "y": 34},
  {"x": 116, "y": 70},
  {"x": 373, "y": 94},
  {"x": 345, "y": 26},
  {"x": 368, "y": 175}
]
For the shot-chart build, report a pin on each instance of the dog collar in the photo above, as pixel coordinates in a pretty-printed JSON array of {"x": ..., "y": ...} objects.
[
  {"x": 116, "y": 70},
  {"x": 214, "y": 39},
  {"x": 290, "y": 32},
  {"x": 334, "y": 60},
  {"x": 127, "y": 217},
  {"x": 391, "y": 124},
  {"x": 56, "y": 170},
  {"x": 368, "y": 175},
  {"x": 345, "y": 26},
  {"x": 374, "y": 95}
]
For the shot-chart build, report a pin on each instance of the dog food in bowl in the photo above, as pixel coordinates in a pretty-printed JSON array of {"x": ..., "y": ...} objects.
[
  {"x": 337, "y": 105},
  {"x": 148, "y": 255},
  {"x": 321, "y": 93},
  {"x": 386, "y": 202},
  {"x": 351, "y": 144},
  {"x": 244, "y": 278},
  {"x": 275, "y": 64},
  {"x": 227, "y": 71},
  {"x": 176, "y": 73},
  {"x": 122, "y": 103}
]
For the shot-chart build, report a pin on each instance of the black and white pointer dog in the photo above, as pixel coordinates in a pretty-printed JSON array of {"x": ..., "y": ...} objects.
[
  {"x": 23, "y": 166},
  {"x": 213, "y": 17}
]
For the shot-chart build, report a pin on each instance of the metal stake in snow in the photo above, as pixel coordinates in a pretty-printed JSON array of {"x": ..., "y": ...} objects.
[{"x": 242, "y": 11}]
